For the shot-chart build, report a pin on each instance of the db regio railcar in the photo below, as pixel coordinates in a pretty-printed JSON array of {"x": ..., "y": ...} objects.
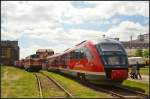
[{"x": 98, "y": 61}]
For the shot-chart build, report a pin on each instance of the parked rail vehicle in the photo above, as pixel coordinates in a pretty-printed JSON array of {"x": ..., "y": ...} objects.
[
  {"x": 43, "y": 54},
  {"x": 52, "y": 62},
  {"x": 98, "y": 61},
  {"x": 34, "y": 62},
  {"x": 19, "y": 63}
]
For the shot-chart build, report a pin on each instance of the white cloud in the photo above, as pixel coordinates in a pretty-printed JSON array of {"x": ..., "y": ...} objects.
[
  {"x": 43, "y": 20},
  {"x": 104, "y": 10},
  {"x": 20, "y": 17},
  {"x": 127, "y": 28}
]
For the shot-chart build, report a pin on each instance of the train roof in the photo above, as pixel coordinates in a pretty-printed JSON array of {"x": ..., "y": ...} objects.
[
  {"x": 104, "y": 40},
  {"x": 94, "y": 41},
  {"x": 99, "y": 40},
  {"x": 55, "y": 55},
  {"x": 30, "y": 56}
]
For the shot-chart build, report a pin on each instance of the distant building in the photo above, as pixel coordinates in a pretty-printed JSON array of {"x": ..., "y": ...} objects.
[
  {"x": 135, "y": 45},
  {"x": 144, "y": 38},
  {"x": 9, "y": 52},
  {"x": 43, "y": 53},
  {"x": 142, "y": 42}
]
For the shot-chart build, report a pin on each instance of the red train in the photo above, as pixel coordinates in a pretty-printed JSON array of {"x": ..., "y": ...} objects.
[
  {"x": 97, "y": 61},
  {"x": 19, "y": 63},
  {"x": 34, "y": 62}
]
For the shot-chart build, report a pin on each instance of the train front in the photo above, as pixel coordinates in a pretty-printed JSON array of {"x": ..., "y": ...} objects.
[{"x": 114, "y": 58}]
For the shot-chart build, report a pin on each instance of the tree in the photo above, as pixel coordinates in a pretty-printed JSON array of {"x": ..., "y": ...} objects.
[
  {"x": 139, "y": 52},
  {"x": 146, "y": 53}
]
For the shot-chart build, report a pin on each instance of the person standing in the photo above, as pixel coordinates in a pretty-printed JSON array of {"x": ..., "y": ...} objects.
[
  {"x": 133, "y": 72},
  {"x": 138, "y": 70}
]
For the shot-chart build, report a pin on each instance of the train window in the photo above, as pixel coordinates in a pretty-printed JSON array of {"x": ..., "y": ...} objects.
[
  {"x": 80, "y": 54},
  {"x": 77, "y": 54},
  {"x": 34, "y": 56},
  {"x": 88, "y": 53},
  {"x": 72, "y": 55},
  {"x": 115, "y": 60},
  {"x": 108, "y": 47}
]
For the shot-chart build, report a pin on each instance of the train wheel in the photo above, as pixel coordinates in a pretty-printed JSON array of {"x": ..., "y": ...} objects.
[
  {"x": 78, "y": 76},
  {"x": 28, "y": 69},
  {"x": 58, "y": 71},
  {"x": 81, "y": 77}
]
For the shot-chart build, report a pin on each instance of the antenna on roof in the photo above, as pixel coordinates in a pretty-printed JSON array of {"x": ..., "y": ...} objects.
[{"x": 103, "y": 35}]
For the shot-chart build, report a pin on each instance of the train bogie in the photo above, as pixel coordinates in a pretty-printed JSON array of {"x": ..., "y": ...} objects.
[{"x": 31, "y": 68}]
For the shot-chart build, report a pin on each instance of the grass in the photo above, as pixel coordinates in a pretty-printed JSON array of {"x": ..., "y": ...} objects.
[
  {"x": 76, "y": 89},
  {"x": 137, "y": 86},
  {"x": 144, "y": 71},
  {"x": 17, "y": 83},
  {"x": 83, "y": 92}
]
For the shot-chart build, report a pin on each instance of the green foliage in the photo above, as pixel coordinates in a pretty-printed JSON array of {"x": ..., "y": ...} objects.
[
  {"x": 139, "y": 53},
  {"x": 146, "y": 53},
  {"x": 144, "y": 71},
  {"x": 136, "y": 85}
]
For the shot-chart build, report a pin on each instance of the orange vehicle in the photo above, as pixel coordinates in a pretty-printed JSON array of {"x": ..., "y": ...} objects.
[{"x": 34, "y": 62}]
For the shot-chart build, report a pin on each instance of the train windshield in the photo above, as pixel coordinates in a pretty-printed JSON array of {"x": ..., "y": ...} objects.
[
  {"x": 112, "y": 54},
  {"x": 110, "y": 47},
  {"x": 34, "y": 56},
  {"x": 114, "y": 60}
]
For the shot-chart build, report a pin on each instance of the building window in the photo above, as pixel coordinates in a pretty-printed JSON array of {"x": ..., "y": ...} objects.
[{"x": 6, "y": 53}]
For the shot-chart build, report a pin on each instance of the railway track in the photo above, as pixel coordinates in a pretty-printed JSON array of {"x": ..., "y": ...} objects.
[
  {"x": 117, "y": 91},
  {"x": 50, "y": 88}
]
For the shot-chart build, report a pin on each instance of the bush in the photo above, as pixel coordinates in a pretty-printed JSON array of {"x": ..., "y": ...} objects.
[
  {"x": 146, "y": 53},
  {"x": 139, "y": 53}
]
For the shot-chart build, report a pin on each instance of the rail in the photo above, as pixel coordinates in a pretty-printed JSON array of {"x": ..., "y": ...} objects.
[
  {"x": 39, "y": 85},
  {"x": 119, "y": 91},
  {"x": 51, "y": 80}
]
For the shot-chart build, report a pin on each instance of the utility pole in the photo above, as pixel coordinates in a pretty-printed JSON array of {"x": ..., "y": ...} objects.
[
  {"x": 130, "y": 44},
  {"x": 103, "y": 35}
]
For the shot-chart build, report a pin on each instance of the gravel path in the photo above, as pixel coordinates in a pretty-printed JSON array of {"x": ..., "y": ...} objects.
[{"x": 145, "y": 79}]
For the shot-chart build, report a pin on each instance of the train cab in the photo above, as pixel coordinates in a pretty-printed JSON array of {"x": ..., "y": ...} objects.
[{"x": 114, "y": 58}]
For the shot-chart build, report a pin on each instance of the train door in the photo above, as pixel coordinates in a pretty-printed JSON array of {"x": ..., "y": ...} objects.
[
  {"x": 72, "y": 59},
  {"x": 82, "y": 59},
  {"x": 89, "y": 57}
]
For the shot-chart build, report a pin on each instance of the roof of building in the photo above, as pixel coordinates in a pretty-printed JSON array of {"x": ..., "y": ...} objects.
[
  {"x": 44, "y": 50},
  {"x": 8, "y": 43}
]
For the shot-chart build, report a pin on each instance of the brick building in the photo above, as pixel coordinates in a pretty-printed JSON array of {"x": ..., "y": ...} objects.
[{"x": 9, "y": 52}]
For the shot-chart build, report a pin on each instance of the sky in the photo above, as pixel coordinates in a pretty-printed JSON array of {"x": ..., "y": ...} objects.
[{"x": 59, "y": 25}]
